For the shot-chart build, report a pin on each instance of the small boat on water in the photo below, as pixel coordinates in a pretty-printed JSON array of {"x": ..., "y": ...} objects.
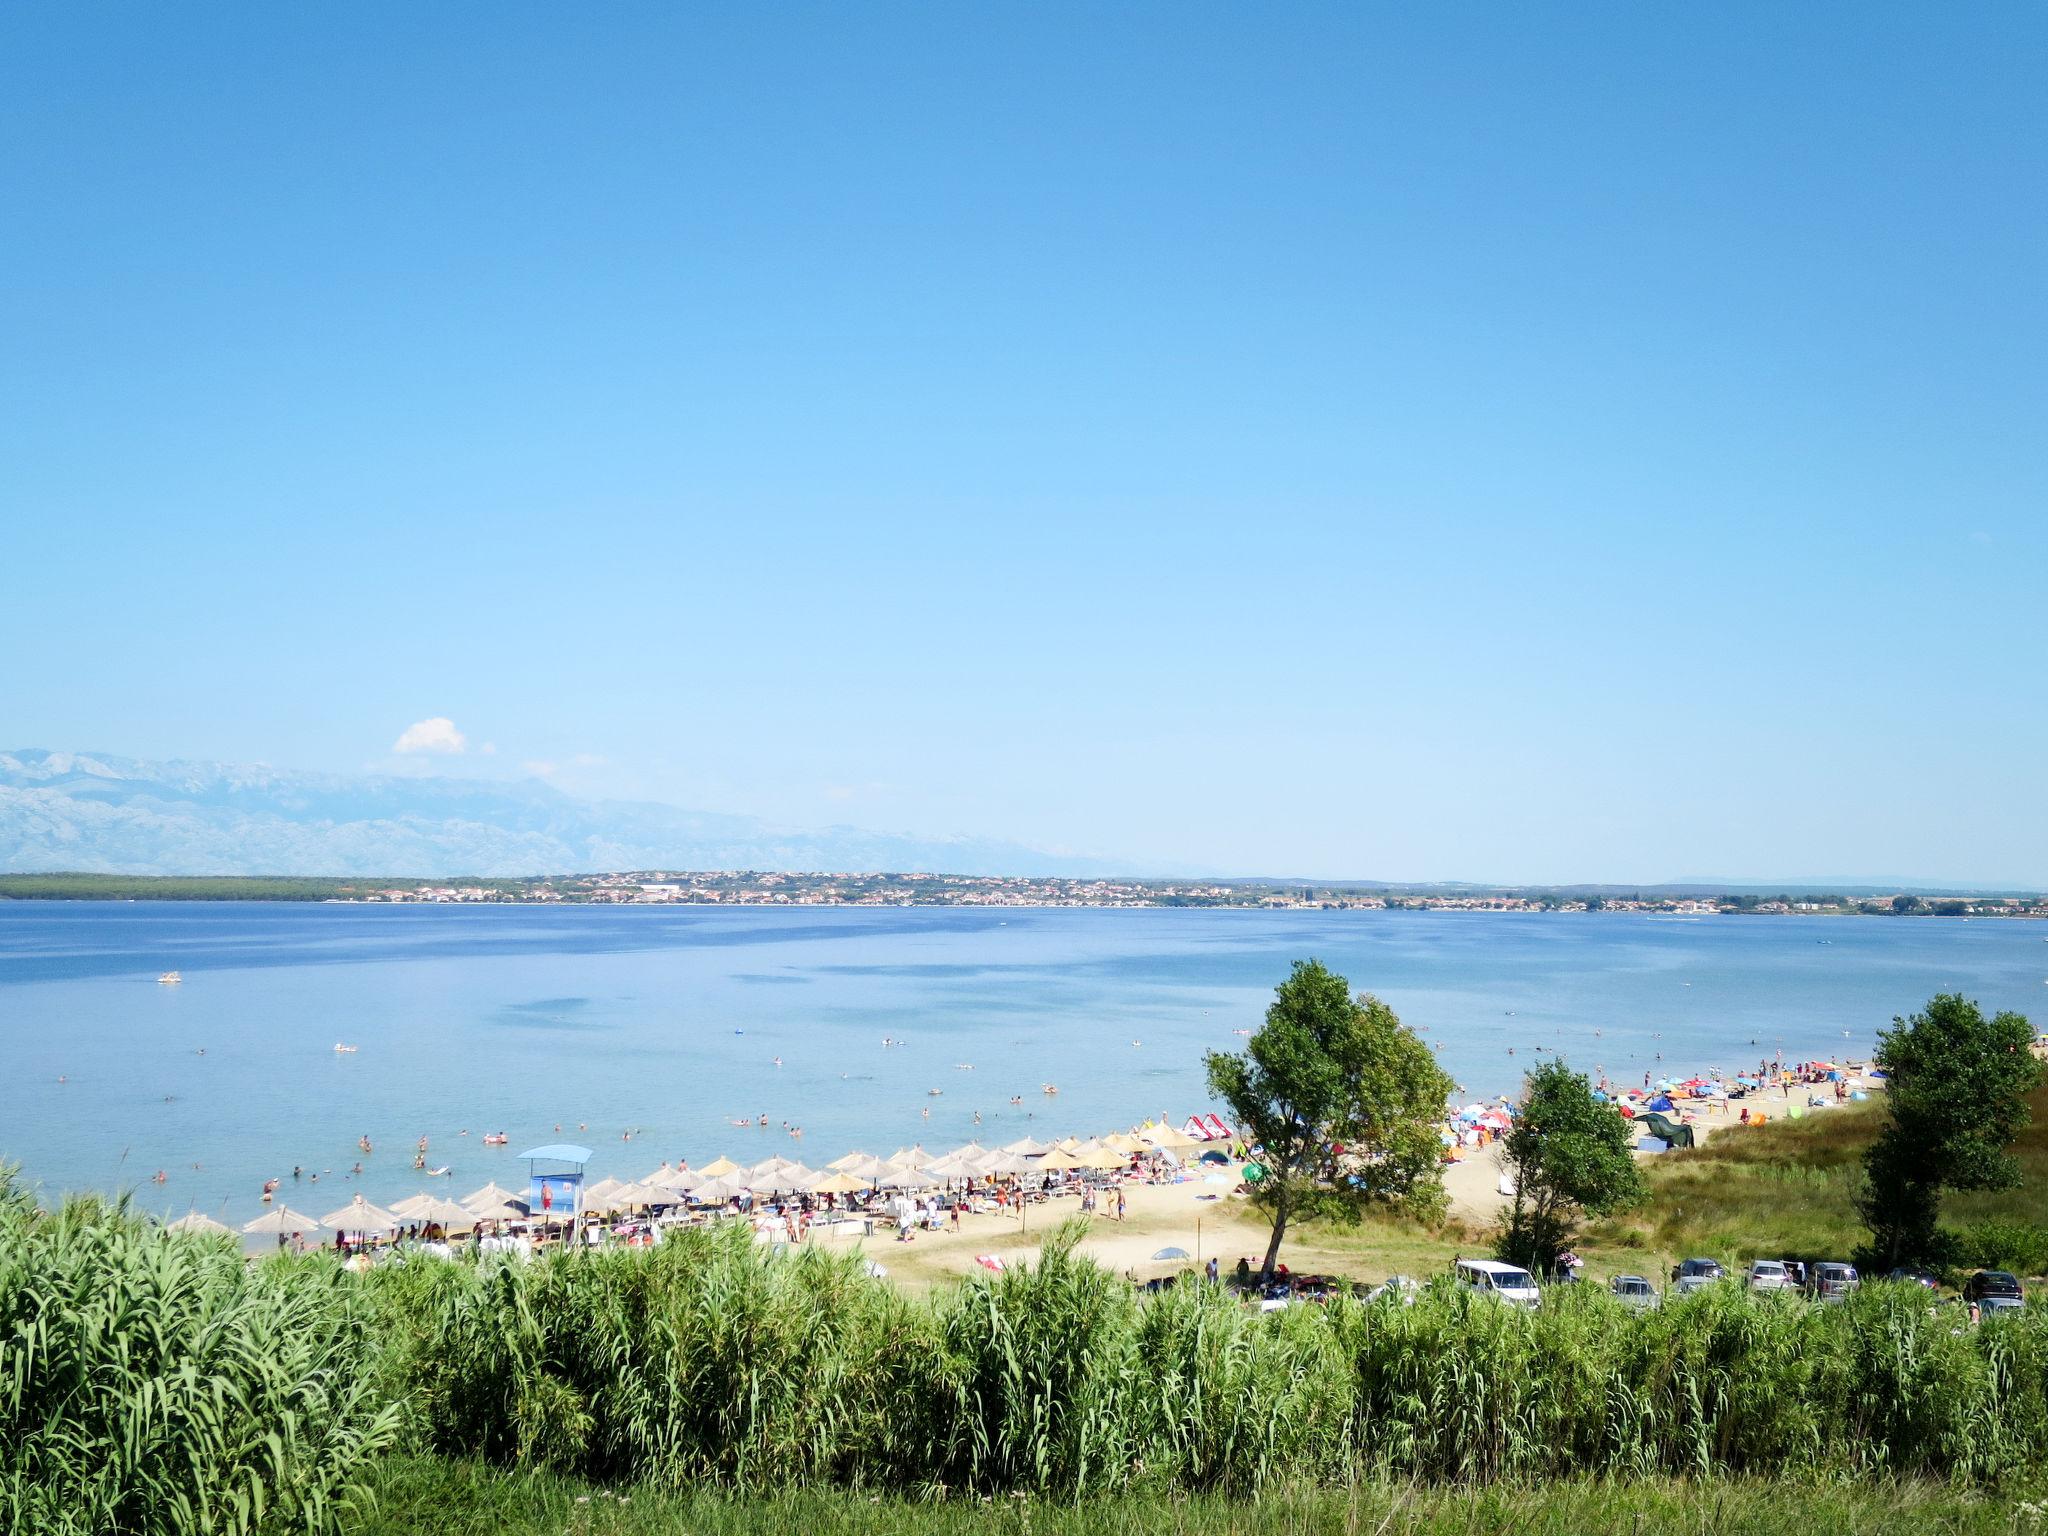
[
  {"x": 169, "y": 979},
  {"x": 343, "y": 1050}
]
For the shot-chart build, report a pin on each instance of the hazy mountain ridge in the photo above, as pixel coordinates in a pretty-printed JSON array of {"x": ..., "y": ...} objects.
[{"x": 103, "y": 814}]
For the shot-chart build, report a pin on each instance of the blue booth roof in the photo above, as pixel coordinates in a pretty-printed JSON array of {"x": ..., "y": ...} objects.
[{"x": 560, "y": 1153}]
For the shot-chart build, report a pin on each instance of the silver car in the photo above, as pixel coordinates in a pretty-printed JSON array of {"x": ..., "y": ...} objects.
[
  {"x": 1769, "y": 1275},
  {"x": 1634, "y": 1291}
]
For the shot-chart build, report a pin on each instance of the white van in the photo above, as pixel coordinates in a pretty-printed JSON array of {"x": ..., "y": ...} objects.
[{"x": 1515, "y": 1286}]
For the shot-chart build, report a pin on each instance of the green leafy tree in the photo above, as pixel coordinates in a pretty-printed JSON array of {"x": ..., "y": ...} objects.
[
  {"x": 1957, "y": 1086},
  {"x": 1344, "y": 1102},
  {"x": 1570, "y": 1156}
]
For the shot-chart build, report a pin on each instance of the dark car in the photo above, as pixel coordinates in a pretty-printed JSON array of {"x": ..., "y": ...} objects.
[
  {"x": 1692, "y": 1274},
  {"x": 1915, "y": 1277},
  {"x": 1994, "y": 1290}
]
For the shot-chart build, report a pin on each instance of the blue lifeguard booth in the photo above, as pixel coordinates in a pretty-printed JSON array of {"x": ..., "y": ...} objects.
[{"x": 554, "y": 1182}]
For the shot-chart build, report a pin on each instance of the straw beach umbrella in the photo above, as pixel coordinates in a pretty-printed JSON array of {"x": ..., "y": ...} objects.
[
  {"x": 1061, "y": 1162},
  {"x": 836, "y": 1183},
  {"x": 680, "y": 1180},
  {"x": 1172, "y": 1139},
  {"x": 725, "y": 1187},
  {"x": 196, "y": 1221},
  {"x": 907, "y": 1178},
  {"x": 1025, "y": 1146},
  {"x": 636, "y": 1197},
  {"x": 909, "y": 1157},
  {"x": 282, "y": 1220},
  {"x": 862, "y": 1166},
  {"x": 439, "y": 1211},
  {"x": 488, "y": 1199},
  {"x": 719, "y": 1168},
  {"x": 360, "y": 1216}
]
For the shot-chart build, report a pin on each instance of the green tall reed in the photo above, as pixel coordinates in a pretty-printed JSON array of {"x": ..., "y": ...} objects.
[
  {"x": 159, "y": 1384},
  {"x": 155, "y": 1383}
]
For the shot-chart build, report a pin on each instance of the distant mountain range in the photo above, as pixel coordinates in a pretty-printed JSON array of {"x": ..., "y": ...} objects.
[{"x": 99, "y": 814}]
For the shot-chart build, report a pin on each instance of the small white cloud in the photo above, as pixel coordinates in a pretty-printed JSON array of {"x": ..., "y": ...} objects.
[{"x": 437, "y": 735}]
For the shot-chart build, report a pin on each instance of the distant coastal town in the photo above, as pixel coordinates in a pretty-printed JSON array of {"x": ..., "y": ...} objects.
[{"x": 769, "y": 888}]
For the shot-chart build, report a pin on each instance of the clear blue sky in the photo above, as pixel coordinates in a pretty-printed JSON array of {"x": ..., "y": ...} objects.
[{"x": 1406, "y": 441}]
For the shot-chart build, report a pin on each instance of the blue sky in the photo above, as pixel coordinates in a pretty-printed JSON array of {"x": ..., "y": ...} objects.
[{"x": 1416, "y": 442}]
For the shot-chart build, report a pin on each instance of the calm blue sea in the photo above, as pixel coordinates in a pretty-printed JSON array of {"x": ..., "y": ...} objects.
[{"x": 668, "y": 1022}]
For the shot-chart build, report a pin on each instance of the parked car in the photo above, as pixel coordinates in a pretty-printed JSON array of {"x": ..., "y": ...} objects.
[
  {"x": 1517, "y": 1287},
  {"x": 1994, "y": 1290},
  {"x": 1915, "y": 1277},
  {"x": 1769, "y": 1275},
  {"x": 1400, "y": 1287},
  {"x": 1696, "y": 1274},
  {"x": 1832, "y": 1282},
  {"x": 1634, "y": 1291}
]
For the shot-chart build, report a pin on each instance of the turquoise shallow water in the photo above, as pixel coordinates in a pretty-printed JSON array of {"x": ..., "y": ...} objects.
[{"x": 669, "y": 1020}]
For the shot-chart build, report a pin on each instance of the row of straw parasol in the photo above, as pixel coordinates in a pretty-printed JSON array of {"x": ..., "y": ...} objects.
[{"x": 908, "y": 1168}]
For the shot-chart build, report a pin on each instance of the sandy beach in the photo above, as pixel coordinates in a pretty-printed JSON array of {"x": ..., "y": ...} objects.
[{"x": 1216, "y": 1220}]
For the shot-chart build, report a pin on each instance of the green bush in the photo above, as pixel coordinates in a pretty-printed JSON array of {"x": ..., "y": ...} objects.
[{"x": 2019, "y": 1246}]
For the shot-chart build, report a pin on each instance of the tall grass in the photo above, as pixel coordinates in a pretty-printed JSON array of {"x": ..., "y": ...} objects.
[
  {"x": 712, "y": 1362},
  {"x": 155, "y": 1383},
  {"x": 159, "y": 1384}
]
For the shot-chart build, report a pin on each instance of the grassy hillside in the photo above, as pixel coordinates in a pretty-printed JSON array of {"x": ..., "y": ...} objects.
[{"x": 1788, "y": 1189}]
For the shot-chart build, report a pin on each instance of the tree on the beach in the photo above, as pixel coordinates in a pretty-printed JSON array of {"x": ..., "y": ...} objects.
[
  {"x": 1570, "y": 1156},
  {"x": 1956, "y": 1086},
  {"x": 1344, "y": 1102}
]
